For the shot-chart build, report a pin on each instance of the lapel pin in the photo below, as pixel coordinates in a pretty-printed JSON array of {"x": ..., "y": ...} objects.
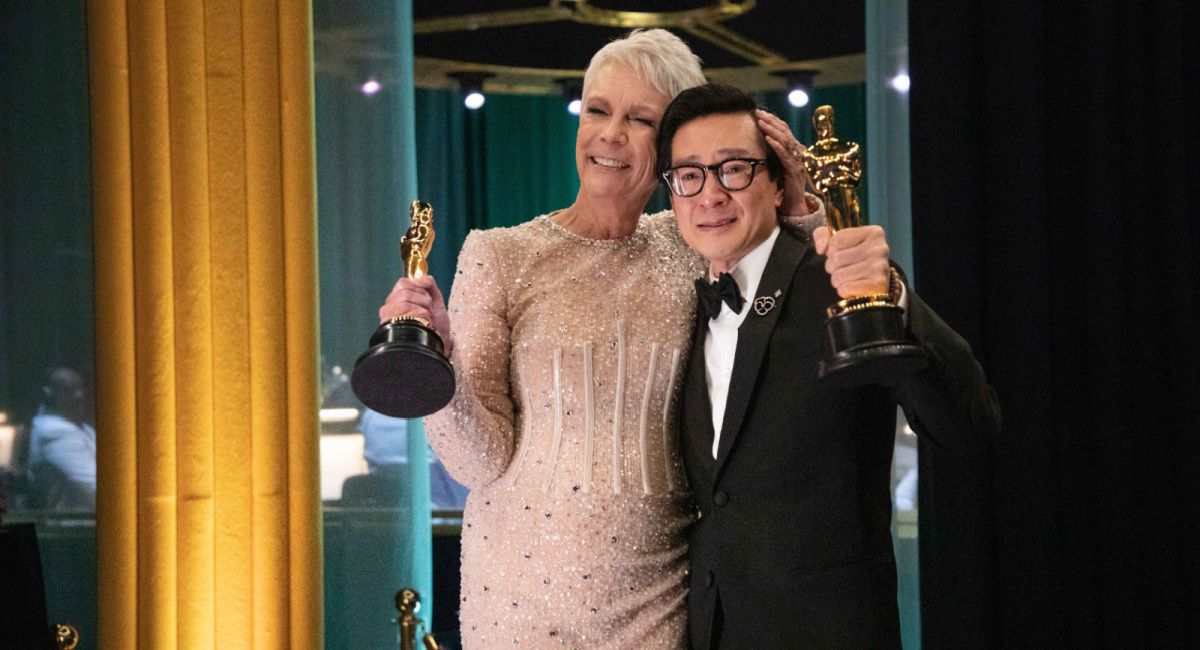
[
  {"x": 777, "y": 293},
  {"x": 764, "y": 304}
]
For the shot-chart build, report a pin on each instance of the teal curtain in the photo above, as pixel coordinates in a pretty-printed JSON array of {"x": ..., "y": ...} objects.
[
  {"x": 450, "y": 174},
  {"x": 530, "y": 147},
  {"x": 500, "y": 165}
]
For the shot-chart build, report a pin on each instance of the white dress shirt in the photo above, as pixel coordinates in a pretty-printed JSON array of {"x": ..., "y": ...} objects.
[
  {"x": 67, "y": 445},
  {"x": 720, "y": 346}
]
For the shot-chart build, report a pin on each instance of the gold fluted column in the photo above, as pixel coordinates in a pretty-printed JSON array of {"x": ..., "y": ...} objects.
[{"x": 208, "y": 511}]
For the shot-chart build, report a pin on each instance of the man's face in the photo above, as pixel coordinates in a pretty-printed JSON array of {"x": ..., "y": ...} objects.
[
  {"x": 719, "y": 224},
  {"x": 67, "y": 396}
]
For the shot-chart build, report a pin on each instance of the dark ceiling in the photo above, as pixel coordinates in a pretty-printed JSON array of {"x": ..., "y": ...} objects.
[
  {"x": 799, "y": 31},
  {"x": 526, "y": 44}
]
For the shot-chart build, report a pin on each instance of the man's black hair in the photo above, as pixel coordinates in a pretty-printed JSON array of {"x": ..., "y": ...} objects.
[{"x": 702, "y": 101}]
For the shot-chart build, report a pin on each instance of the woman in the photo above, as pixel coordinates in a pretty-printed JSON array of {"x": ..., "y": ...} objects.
[{"x": 569, "y": 338}]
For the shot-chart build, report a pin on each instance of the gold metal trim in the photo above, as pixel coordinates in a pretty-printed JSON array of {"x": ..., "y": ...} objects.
[
  {"x": 731, "y": 41},
  {"x": 507, "y": 78},
  {"x": 581, "y": 11},
  {"x": 413, "y": 319},
  {"x": 429, "y": 72},
  {"x": 355, "y": 52},
  {"x": 721, "y": 10},
  {"x": 701, "y": 22},
  {"x": 859, "y": 302},
  {"x": 488, "y": 19}
]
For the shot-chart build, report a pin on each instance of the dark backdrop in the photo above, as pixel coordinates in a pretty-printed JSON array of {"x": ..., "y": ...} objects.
[{"x": 1055, "y": 202}]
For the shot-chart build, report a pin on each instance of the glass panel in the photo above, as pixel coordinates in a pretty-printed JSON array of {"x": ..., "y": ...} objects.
[
  {"x": 904, "y": 532},
  {"x": 376, "y": 471},
  {"x": 47, "y": 435},
  {"x": 887, "y": 154}
]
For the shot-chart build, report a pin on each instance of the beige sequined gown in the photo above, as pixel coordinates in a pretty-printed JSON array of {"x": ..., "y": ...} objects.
[{"x": 569, "y": 354}]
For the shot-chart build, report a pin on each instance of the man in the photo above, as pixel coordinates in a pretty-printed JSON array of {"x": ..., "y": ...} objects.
[
  {"x": 62, "y": 446},
  {"x": 793, "y": 547},
  {"x": 385, "y": 448}
]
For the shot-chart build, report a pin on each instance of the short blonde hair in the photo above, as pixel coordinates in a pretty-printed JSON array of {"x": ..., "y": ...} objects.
[{"x": 656, "y": 55}]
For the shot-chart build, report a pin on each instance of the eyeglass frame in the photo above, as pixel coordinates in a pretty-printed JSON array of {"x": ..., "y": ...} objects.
[{"x": 715, "y": 168}]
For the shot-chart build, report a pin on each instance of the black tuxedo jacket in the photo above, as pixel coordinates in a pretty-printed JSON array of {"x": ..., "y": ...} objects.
[{"x": 793, "y": 546}]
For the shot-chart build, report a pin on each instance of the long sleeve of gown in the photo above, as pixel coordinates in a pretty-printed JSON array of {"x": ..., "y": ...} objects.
[{"x": 473, "y": 434}]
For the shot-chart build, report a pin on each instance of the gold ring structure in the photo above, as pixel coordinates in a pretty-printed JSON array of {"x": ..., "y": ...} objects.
[{"x": 411, "y": 319}]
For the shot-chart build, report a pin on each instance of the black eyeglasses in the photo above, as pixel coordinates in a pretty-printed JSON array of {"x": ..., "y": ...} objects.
[{"x": 733, "y": 174}]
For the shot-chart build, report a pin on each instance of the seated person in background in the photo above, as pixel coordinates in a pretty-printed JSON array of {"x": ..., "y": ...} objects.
[
  {"x": 62, "y": 446},
  {"x": 385, "y": 448}
]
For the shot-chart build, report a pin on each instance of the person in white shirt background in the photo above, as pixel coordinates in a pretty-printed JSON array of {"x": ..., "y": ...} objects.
[
  {"x": 62, "y": 445},
  {"x": 385, "y": 448}
]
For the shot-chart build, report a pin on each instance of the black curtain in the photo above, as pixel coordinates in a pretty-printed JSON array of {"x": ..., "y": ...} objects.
[{"x": 1056, "y": 224}]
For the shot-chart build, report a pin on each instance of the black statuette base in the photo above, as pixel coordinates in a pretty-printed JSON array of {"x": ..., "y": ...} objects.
[
  {"x": 869, "y": 346},
  {"x": 404, "y": 373}
]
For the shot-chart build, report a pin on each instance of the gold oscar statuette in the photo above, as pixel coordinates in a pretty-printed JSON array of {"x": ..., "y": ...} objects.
[
  {"x": 404, "y": 373},
  {"x": 867, "y": 338},
  {"x": 418, "y": 241},
  {"x": 408, "y": 603}
]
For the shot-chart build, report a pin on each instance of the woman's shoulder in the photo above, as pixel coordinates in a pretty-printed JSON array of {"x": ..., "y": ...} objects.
[
  {"x": 661, "y": 224},
  {"x": 662, "y": 232},
  {"x": 659, "y": 228},
  {"x": 51, "y": 425},
  {"x": 515, "y": 245},
  {"x": 662, "y": 229},
  {"x": 504, "y": 235},
  {"x": 660, "y": 219}
]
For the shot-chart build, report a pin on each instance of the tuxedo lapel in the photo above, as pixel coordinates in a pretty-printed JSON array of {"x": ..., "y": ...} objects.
[
  {"x": 754, "y": 335},
  {"x": 698, "y": 420}
]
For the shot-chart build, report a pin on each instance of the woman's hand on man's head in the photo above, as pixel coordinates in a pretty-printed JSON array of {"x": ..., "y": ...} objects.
[{"x": 790, "y": 151}]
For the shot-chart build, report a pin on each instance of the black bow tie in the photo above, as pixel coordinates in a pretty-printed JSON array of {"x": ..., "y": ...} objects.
[{"x": 711, "y": 295}]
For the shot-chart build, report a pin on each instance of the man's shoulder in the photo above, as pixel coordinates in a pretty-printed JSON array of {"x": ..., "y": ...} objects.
[
  {"x": 49, "y": 426},
  {"x": 49, "y": 422}
]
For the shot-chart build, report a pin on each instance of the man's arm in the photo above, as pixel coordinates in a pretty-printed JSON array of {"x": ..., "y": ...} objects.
[{"x": 949, "y": 402}]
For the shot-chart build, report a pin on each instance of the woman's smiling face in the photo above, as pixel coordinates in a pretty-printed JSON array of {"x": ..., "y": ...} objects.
[{"x": 614, "y": 147}]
